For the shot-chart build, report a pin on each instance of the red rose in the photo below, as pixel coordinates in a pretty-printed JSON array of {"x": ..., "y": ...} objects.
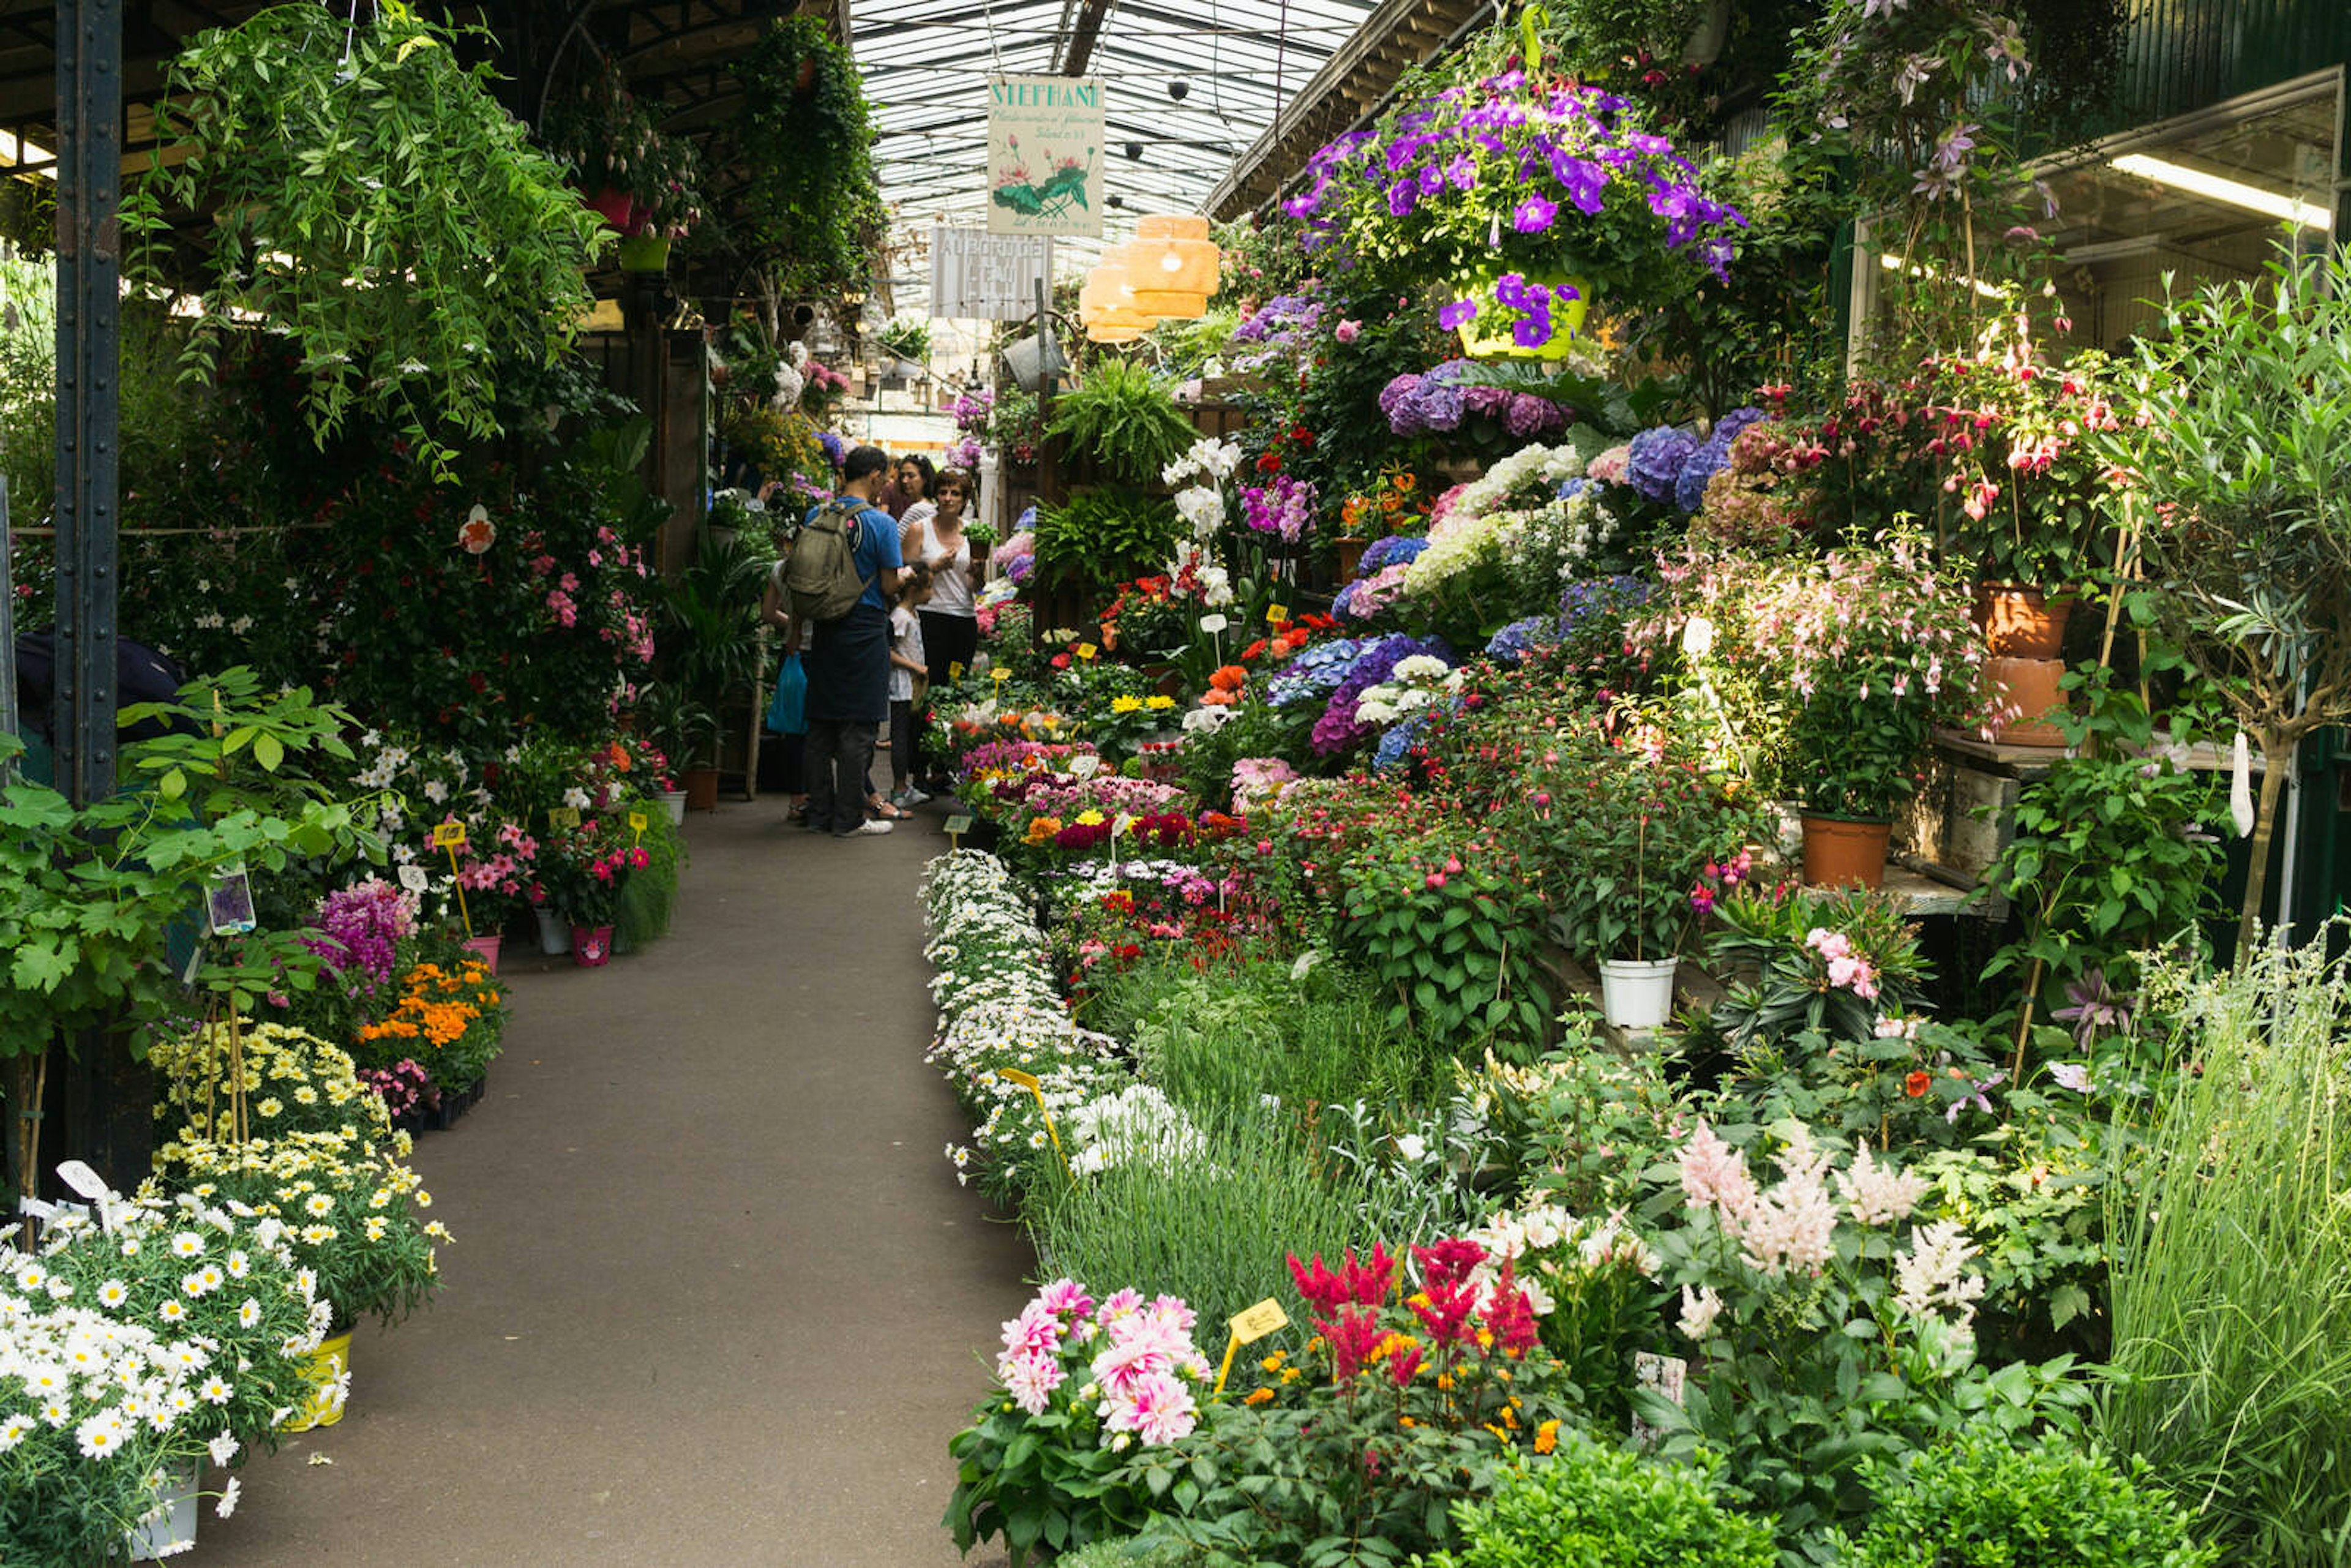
[{"x": 1269, "y": 463}]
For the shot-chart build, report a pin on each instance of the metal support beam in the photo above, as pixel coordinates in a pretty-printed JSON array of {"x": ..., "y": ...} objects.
[
  {"x": 89, "y": 270},
  {"x": 8, "y": 724}
]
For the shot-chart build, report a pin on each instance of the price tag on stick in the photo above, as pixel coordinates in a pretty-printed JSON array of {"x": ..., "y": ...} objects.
[
  {"x": 955, "y": 669},
  {"x": 958, "y": 826},
  {"x": 563, "y": 817},
  {"x": 451, "y": 836},
  {"x": 1276, "y": 615},
  {"x": 1028, "y": 1081},
  {"x": 1248, "y": 1328},
  {"x": 637, "y": 823}
]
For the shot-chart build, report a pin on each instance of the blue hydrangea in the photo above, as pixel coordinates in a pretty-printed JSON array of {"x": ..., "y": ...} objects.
[
  {"x": 1399, "y": 739},
  {"x": 1394, "y": 549},
  {"x": 1586, "y": 598},
  {"x": 1512, "y": 644},
  {"x": 1703, "y": 465},
  {"x": 1315, "y": 671},
  {"x": 1654, "y": 461}
]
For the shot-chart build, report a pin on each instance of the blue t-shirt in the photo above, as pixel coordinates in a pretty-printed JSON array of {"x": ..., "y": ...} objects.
[{"x": 875, "y": 551}]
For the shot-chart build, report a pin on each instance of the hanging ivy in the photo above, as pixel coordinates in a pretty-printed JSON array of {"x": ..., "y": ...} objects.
[
  {"x": 371, "y": 200},
  {"x": 813, "y": 211}
]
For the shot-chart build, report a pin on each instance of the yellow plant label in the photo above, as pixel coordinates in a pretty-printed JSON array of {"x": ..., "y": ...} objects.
[
  {"x": 636, "y": 821},
  {"x": 1275, "y": 614},
  {"x": 1087, "y": 650},
  {"x": 1001, "y": 673},
  {"x": 959, "y": 825},
  {"x": 563, "y": 817},
  {"x": 448, "y": 835},
  {"x": 1014, "y": 1075},
  {"x": 1259, "y": 1321},
  {"x": 955, "y": 669}
]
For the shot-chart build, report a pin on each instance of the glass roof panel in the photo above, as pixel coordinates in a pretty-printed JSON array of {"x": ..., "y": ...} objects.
[{"x": 926, "y": 64}]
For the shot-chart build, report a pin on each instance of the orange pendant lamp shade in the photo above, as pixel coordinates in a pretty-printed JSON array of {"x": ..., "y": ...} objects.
[{"x": 1172, "y": 265}]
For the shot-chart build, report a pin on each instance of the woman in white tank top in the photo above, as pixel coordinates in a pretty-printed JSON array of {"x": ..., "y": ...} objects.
[{"x": 950, "y": 620}]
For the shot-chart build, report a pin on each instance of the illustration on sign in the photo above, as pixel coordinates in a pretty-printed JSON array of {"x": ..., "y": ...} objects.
[{"x": 1044, "y": 155}]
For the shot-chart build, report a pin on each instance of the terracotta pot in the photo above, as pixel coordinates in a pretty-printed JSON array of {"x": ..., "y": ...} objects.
[
  {"x": 2021, "y": 623},
  {"x": 1351, "y": 556},
  {"x": 702, "y": 789},
  {"x": 2031, "y": 686},
  {"x": 1840, "y": 852},
  {"x": 1166, "y": 680}
]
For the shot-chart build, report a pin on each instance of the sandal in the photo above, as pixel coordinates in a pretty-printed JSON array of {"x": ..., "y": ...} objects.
[{"x": 886, "y": 812}]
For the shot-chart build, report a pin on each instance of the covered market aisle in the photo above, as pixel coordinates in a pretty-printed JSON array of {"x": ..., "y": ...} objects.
[{"x": 715, "y": 1295}]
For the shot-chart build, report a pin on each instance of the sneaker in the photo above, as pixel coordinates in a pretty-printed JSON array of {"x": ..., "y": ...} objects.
[
  {"x": 874, "y": 827},
  {"x": 908, "y": 798}
]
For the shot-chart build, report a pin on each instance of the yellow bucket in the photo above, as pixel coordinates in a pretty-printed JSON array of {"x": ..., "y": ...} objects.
[
  {"x": 1487, "y": 335},
  {"x": 324, "y": 1407}
]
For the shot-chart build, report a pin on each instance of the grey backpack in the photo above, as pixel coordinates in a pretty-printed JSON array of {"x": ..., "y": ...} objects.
[{"x": 820, "y": 579}]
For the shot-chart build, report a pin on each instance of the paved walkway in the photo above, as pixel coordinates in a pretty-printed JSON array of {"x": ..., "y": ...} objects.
[{"x": 715, "y": 1298}]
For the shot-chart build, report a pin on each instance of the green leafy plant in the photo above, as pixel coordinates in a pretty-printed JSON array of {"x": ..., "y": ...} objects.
[
  {"x": 1823, "y": 1339},
  {"x": 1124, "y": 417},
  {"x": 1978, "y": 1502},
  {"x": 710, "y": 629},
  {"x": 375, "y": 203},
  {"x": 1590, "y": 1504},
  {"x": 88, "y": 897},
  {"x": 2230, "y": 1374},
  {"x": 1101, "y": 537},
  {"x": 1447, "y": 924},
  {"x": 2242, "y": 514},
  {"x": 2113, "y": 855},
  {"x": 812, "y": 208},
  {"x": 909, "y": 337},
  {"x": 1826, "y": 961}
]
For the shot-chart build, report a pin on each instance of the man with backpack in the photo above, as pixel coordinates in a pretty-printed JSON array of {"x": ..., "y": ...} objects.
[{"x": 843, "y": 566}]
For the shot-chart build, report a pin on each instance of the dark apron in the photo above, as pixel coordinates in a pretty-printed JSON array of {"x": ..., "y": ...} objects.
[{"x": 848, "y": 667}]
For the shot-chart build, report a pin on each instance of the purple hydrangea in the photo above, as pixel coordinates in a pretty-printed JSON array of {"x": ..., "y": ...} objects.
[
  {"x": 1399, "y": 740},
  {"x": 1587, "y": 598},
  {"x": 834, "y": 451},
  {"x": 1710, "y": 458},
  {"x": 1337, "y": 729},
  {"x": 1656, "y": 461}
]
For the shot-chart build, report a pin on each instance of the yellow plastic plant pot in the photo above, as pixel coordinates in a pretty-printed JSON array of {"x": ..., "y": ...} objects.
[{"x": 1488, "y": 334}]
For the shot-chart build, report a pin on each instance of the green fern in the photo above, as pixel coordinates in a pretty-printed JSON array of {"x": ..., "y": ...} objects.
[{"x": 1125, "y": 418}]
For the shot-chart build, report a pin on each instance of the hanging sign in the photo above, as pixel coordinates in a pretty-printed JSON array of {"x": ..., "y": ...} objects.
[
  {"x": 1045, "y": 155},
  {"x": 986, "y": 277}
]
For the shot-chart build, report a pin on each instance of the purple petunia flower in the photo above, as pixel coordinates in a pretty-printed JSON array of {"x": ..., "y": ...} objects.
[
  {"x": 1457, "y": 315},
  {"x": 1533, "y": 216}
]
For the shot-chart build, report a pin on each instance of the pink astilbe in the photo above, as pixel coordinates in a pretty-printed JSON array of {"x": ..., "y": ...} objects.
[
  {"x": 1791, "y": 1227},
  {"x": 1714, "y": 1172},
  {"x": 1877, "y": 1195}
]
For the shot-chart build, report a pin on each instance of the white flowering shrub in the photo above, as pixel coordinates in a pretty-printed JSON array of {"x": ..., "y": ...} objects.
[
  {"x": 1821, "y": 1334},
  {"x": 174, "y": 1332},
  {"x": 1000, "y": 1009}
]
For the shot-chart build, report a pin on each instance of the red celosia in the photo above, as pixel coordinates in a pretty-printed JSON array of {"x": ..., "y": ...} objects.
[{"x": 1509, "y": 1316}]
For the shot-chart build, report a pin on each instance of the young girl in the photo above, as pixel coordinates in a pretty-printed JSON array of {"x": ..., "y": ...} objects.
[{"x": 907, "y": 666}]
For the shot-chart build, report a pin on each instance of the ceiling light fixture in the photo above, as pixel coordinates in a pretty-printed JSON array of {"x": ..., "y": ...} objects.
[
  {"x": 2230, "y": 192},
  {"x": 1178, "y": 88},
  {"x": 1134, "y": 152}
]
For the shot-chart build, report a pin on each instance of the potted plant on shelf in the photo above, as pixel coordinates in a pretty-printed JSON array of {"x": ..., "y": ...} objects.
[
  {"x": 1878, "y": 649},
  {"x": 2026, "y": 503},
  {"x": 1532, "y": 193},
  {"x": 1637, "y": 836}
]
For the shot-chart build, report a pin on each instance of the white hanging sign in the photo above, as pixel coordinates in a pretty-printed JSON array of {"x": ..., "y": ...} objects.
[
  {"x": 1045, "y": 155},
  {"x": 986, "y": 277}
]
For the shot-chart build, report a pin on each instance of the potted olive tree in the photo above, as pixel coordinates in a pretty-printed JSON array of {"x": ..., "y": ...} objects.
[{"x": 2239, "y": 488}]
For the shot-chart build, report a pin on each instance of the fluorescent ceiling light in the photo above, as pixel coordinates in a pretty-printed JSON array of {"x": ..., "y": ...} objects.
[
  {"x": 1894, "y": 264},
  {"x": 2115, "y": 249},
  {"x": 2232, "y": 192},
  {"x": 17, "y": 153}
]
